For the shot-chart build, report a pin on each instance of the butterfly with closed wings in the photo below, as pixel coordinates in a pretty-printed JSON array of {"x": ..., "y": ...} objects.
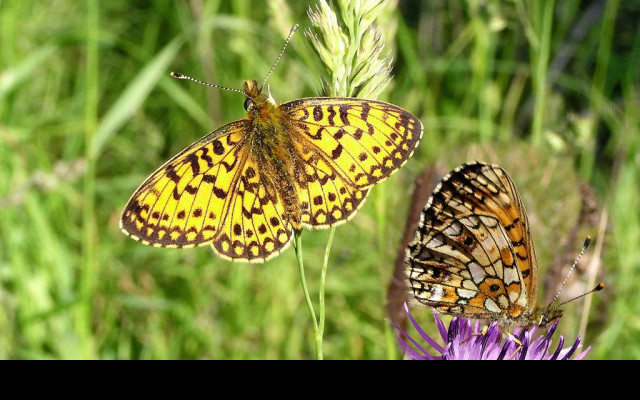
[{"x": 472, "y": 255}]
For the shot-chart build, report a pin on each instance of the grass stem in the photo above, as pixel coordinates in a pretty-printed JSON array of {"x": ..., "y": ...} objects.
[{"x": 303, "y": 280}]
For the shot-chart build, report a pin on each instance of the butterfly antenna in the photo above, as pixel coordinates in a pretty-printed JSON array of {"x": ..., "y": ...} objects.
[
  {"x": 178, "y": 75},
  {"x": 293, "y": 29},
  {"x": 575, "y": 264},
  {"x": 598, "y": 288}
]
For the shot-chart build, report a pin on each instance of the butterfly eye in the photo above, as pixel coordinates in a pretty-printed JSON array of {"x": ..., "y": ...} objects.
[{"x": 248, "y": 104}]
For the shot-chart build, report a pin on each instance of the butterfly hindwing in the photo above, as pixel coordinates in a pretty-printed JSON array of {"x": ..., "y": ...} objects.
[
  {"x": 472, "y": 254},
  {"x": 325, "y": 197},
  {"x": 254, "y": 228}
]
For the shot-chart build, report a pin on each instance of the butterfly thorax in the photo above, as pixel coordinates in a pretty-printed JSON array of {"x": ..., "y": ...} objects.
[{"x": 272, "y": 146}]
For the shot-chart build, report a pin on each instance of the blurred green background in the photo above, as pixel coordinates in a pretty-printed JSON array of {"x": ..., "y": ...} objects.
[{"x": 549, "y": 89}]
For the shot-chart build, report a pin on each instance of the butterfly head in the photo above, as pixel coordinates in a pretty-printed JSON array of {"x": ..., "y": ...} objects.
[
  {"x": 256, "y": 99},
  {"x": 547, "y": 317}
]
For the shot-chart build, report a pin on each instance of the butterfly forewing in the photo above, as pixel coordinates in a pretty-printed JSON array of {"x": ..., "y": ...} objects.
[
  {"x": 472, "y": 254},
  {"x": 364, "y": 141},
  {"x": 184, "y": 201},
  {"x": 510, "y": 212}
]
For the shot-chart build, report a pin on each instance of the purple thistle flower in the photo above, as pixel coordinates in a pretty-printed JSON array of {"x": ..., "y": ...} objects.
[{"x": 464, "y": 340}]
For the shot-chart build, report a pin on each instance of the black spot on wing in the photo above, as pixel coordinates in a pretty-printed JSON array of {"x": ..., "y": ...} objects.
[
  {"x": 317, "y": 113},
  {"x": 344, "y": 112}
]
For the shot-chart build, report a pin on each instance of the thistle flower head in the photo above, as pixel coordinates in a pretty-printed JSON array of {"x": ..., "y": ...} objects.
[{"x": 466, "y": 340}]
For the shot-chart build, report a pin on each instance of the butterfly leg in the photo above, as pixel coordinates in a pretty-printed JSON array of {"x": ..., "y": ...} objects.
[
  {"x": 484, "y": 331},
  {"x": 518, "y": 342}
]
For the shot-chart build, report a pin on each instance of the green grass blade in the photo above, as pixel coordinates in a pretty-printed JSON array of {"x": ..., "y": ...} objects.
[{"x": 134, "y": 96}]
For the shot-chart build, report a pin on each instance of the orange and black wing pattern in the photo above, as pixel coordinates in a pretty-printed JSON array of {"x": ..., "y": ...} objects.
[{"x": 472, "y": 255}]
